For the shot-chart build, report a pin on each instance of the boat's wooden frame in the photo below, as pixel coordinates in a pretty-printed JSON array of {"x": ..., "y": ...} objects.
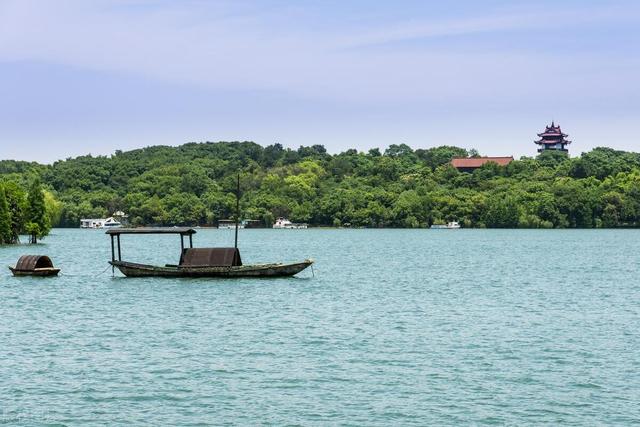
[{"x": 132, "y": 269}]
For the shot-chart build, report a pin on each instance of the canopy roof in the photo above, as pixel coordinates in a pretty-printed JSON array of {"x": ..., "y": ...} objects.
[
  {"x": 210, "y": 257},
  {"x": 31, "y": 262},
  {"x": 152, "y": 230}
]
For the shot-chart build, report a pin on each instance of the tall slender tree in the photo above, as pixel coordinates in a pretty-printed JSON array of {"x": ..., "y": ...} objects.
[
  {"x": 5, "y": 219},
  {"x": 17, "y": 201},
  {"x": 38, "y": 224}
]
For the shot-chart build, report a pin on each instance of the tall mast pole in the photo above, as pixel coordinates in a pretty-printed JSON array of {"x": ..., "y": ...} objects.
[{"x": 237, "y": 210}]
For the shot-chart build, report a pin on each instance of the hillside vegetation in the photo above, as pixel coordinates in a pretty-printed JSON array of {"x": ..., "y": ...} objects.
[{"x": 193, "y": 184}]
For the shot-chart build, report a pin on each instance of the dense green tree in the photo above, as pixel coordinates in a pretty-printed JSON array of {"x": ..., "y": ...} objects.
[
  {"x": 17, "y": 201},
  {"x": 438, "y": 156},
  {"x": 37, "y": 221},
  {"x": 502, "y": 212},
  {"x": 5, "y": 219},
  {"x": 552, "y": 158}
]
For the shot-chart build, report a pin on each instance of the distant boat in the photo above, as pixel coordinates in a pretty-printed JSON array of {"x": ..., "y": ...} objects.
[
  {"x": 110, "y": 222},
  {"x": 285, "y": 223},
  {"x": 229, "y": 224},
  {"x": 453, "y": 225}
]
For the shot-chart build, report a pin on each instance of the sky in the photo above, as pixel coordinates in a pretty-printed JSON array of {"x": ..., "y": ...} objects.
[{"x": 91, "y": 77}]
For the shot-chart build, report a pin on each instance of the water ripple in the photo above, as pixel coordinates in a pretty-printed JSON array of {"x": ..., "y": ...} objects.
[{"x": 398, "y": 327}]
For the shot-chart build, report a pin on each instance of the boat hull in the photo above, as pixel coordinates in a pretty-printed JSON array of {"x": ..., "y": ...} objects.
[
  {"x": 131, "y": 269},
  {"x": 39, "y": 272}
]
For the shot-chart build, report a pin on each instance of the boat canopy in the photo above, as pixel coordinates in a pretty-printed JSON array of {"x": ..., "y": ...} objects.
[
  {"x": 114, "y": 234},
  {"x": 31, "y": 262},
  {"x": 210, "y": 257},
  {"x": 152, "y": 230}
]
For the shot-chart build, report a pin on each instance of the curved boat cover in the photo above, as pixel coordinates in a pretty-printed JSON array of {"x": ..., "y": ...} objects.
[
  {"x": 210, "y": 257},
  {"x": 31, "y": 262}
]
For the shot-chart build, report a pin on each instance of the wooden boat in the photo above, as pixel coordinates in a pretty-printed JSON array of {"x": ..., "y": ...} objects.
[
  {"x": 197, "y": 262},
  {"x": 34, "y": 265},
  {"x": 131, "y": 269}
]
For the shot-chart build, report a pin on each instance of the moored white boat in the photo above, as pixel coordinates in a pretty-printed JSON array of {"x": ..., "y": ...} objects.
[
  {"x": 100, "y": 223},
  {"x": 453, "y": 225},
  {"x": 229, "y": 224},
  {"x": 285, "y": 223}
]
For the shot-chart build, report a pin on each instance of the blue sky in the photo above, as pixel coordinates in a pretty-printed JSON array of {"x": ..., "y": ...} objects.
[{"x": 80, "y": 77}]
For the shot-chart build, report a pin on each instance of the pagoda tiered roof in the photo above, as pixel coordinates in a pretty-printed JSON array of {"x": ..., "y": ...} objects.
[{"x": 552, "y": 135}]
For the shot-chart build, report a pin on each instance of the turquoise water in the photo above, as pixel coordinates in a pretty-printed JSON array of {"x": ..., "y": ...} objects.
[{"x": 398, "y": 327}]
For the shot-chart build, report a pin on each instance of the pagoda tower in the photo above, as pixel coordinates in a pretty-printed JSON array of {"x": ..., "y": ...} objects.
[{"x": 552, "y": 139}]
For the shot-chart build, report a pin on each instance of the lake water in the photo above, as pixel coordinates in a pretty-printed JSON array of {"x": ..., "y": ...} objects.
[{"x": 398, "y": 327}]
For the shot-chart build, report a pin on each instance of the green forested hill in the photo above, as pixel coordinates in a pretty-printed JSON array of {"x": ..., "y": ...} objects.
[{"x": 192, "y": 185}]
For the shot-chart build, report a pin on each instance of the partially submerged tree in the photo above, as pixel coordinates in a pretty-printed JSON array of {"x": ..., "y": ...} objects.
[
  {"x": 5, "y": 219},
  {"x": 38, "y": 224},
  {"x": 16, "y": 202}
]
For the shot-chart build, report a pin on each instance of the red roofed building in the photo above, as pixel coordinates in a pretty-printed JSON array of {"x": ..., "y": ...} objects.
[
  {"x": 469, "y": 164},
  {"x": 552, "y": 139}
]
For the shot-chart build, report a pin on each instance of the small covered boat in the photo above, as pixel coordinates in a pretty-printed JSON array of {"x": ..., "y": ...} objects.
[
  {"x": 34, "y": 265},
  {"x": 197, "y": 262}
]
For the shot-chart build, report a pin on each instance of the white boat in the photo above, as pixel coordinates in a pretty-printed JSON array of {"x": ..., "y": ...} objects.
[
  {"x": 453, "y": 225},
  {"x": 110, "y": 222},
  {"x": 285, "y": 223},
  {"x": 227, "y": 224}
]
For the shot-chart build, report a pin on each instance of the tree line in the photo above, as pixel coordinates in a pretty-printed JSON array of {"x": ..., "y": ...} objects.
[{"x": 194, "y": 184}]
